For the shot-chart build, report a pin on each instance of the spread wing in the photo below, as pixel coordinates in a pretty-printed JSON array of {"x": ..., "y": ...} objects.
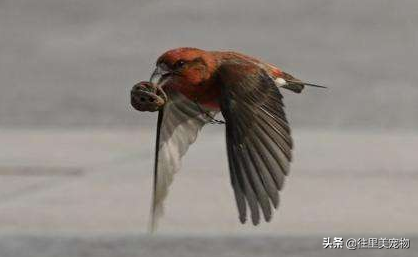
[
  {"x": 258, "y": 137},
  {"x": 178, "y": 125}
]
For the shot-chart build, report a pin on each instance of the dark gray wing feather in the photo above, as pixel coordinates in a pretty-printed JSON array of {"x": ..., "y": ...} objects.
[{"x": 259, "y": 143}]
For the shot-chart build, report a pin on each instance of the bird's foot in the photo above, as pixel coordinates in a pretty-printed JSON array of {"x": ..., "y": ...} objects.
[{"x": 147, "y": 96}]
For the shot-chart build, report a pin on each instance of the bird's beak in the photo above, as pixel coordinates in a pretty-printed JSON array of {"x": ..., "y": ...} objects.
[{"x": 159, "y": 75}]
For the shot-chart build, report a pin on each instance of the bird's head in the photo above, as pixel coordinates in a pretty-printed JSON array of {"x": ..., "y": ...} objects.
[{"x": 184, "y": 66}]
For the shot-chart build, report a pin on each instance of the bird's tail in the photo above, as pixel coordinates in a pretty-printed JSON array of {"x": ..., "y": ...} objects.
[{"x": 296, "y": 85}]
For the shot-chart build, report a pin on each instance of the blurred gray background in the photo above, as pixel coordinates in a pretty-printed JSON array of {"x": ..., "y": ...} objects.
[
  {"x": 76, "y": 159},
  {"x": 72, "y": 63}
]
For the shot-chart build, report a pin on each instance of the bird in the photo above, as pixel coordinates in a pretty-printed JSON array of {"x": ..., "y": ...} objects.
[{"x": 188, "y": 88}]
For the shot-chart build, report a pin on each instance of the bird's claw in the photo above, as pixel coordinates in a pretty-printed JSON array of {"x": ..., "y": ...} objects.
[{"x": 147, "y": 96}]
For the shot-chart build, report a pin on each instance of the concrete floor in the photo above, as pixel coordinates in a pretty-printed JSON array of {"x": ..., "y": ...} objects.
[
  {"x": 183, "y": 246},
  {"x": 66, "y": 188}
]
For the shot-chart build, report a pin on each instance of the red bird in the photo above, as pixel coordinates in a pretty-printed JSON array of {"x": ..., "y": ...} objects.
[{"x": 189, "y": 87}]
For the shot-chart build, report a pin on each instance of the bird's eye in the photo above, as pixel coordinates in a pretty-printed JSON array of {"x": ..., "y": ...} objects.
[{"x": 179, "y": 64}]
